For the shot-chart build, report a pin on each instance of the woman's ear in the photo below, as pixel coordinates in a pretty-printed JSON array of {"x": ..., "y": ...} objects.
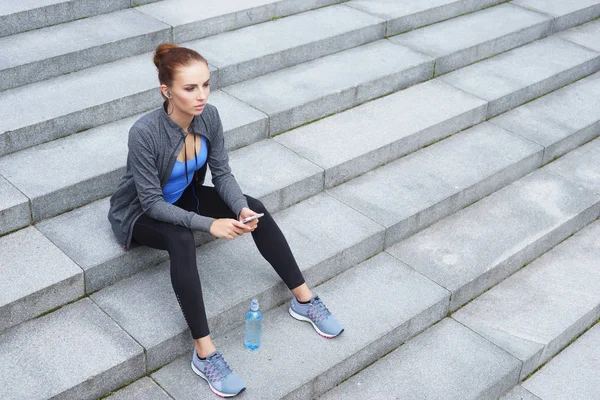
[{"x": 165, "y": 91}]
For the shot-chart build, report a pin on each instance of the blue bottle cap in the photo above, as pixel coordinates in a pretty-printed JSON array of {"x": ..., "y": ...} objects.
[{"x": 254, "y": 305}]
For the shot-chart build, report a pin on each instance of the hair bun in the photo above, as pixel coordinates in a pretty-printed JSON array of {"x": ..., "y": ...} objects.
[{"x": 161, "y": 51}]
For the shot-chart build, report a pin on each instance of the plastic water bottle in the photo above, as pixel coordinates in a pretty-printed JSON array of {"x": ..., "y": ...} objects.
[{"x": 254, "y": 319}]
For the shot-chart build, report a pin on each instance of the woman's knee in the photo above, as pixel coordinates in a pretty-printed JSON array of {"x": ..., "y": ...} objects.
[{"x": 255, "y": 205}]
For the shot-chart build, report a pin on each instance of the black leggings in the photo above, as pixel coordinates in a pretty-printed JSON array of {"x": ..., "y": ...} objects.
[{"x": 179, "y": 242}]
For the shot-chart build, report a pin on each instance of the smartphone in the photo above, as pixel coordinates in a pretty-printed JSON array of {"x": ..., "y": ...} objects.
[{"x": 252, "y": 218}]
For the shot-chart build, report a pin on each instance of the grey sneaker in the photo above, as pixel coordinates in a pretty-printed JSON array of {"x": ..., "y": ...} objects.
[
  {"x": 315, "y": 312},
  {"x": 220, "y": 377}
]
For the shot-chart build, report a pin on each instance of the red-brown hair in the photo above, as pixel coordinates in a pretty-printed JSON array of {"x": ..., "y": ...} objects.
[{"x": 168, "y": 57}]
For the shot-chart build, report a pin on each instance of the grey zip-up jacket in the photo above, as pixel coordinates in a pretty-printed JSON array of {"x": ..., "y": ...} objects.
[{"x": 154, "y": 142}]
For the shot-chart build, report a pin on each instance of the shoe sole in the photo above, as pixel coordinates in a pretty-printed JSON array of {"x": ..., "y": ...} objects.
[
  {"x": 303, "y": 318},
  {"x": 215, "y": 391}
]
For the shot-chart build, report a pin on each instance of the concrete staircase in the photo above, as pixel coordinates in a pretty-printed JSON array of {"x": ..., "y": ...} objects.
[{"x": 433, "y": 164}]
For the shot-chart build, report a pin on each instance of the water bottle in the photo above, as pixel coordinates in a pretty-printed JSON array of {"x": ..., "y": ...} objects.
[{"x": 254, "y": 319}]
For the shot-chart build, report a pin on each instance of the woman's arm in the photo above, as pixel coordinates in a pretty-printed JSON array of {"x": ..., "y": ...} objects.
[
  {"x": 222, "y": 178},
  {"x": 145, "y": 175}
]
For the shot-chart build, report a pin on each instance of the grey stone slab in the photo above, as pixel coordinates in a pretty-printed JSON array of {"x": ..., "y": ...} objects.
[
  {"x": 57, "y": 107},
  {"x": 25, "y": 15},
  {"x": 480, "y": 245},
  {"x": 84, "y": 235},
  {"x": 242, "y": 124},
  {"x": 573, "y": 374},
  {"x": 304, "y": 364},
  {"x": 197, "y": 19},
  {"x": 566, "y": 13},
  {"x": 406, "y": 15},
  {"x": 581, "y": 166},
  {"x": 78, "y": 101},
  {"x": 51, "y": 356},
  {"x": 411, "y": 193},
  {"x": 345, "y": 79},
  {"x": 275, "y": 174},
  {"x": 537, "y": 311},
  {"x": 45, "y": 53},
  {"x": 358, "y": 140},
  {"x": 447, "y": 361},
  {"x": 143, "y": 389},
  {"x": 559, "y": 121},
  {"x": 586, "y": 35},
  {"x": 517, "y": 76},
  {"x": 14, "y": 208},
  {"x": 259, "y": 49},
  {"x": 35, "y": 277},
  {"x": 325, "y": 236},
  {"x": 70, "y": 172},
  {"x": 464, "y": 40},
  {"x": 518, "y": 393}
]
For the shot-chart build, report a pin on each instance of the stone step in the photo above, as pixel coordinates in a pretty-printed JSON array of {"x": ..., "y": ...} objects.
[
  {"x": 406, "y": 15},
  {"x": 473, "y": 37},
  {"x": 573, "y": 374},
  {"x": 409, "y": 194},
  {"x": 523, "y": 74},
  {"x": 259, "y": 49},
  {"x": 345, "y": 79},
  {"x": 540, "y": 309},
  {"x": 14, "y": 208},
  {"x": 395, "y": 125},
  {"x": 22, "y": 16},
  {"x": 447, "y": 361},
  {"x": 83, "y": 234},
  {"x": 195, "y": 19},
  {"x": 479, "y": 246},
  {"x": 76, "y": 352},
  {"x": 566, "y": 14},
  {"x": 45, "y": 53},
  {"x": 580, "y": 166},
  {"x": 302, "y": 363},
  {"x": 81, "y": 100},
  {"x": 98, "y": 158},
  {"x": 36, "y": 277},
  {"x": 134, "y": 89},
  {"x": 330, "y": 238},
  {"x": 586, "y": 35},
  {"x": 518, "y": 393},
  {"x": 559, "y": 121},
  {"x": 142, "y": 389}
]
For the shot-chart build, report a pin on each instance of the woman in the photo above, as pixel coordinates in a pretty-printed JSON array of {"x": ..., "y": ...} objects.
[{"x": 160, "y": 200}]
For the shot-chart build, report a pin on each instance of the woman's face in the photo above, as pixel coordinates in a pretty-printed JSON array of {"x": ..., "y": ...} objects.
[{"x": 190, "y": 89}]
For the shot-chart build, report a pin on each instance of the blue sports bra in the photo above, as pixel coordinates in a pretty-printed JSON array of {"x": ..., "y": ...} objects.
[{"x": 178, "y": 180}]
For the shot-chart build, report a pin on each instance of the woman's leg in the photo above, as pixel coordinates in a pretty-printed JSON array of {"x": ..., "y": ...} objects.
[
  {"x": 179, "y": 242},
  {"x": 269, "y": 239}
]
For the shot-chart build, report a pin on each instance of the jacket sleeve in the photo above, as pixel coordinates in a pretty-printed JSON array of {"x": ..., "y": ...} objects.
[
  {"x": 222, "y": 178},
  {"x": 142, "y": 155}
]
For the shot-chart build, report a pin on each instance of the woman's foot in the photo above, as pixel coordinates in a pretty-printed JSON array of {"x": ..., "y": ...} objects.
[
  {"x": 315, "y": 312},
  {"x": 219, "y": 375}
]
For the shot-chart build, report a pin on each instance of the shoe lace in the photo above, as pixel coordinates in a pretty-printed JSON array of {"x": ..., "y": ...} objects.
[
  {"x": 321, "y": 308},
  {"x": 220, "y": 365}
]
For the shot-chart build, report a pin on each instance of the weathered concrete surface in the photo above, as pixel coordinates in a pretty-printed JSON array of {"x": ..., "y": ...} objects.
[
  {"x": 447, "y": 361},
  {"x": 542, "y": 307},
  {"x": 573, "y": 374}
]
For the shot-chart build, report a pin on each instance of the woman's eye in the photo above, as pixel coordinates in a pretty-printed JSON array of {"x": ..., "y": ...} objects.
[
  {"x": 189, "y": 89},
  {"x": 207, "y": 84}
]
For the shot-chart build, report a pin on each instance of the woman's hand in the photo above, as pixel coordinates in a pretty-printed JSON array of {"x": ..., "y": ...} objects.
[
  {"x": 228, "y": 228},
  {"x": 245, "y": 213}
]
